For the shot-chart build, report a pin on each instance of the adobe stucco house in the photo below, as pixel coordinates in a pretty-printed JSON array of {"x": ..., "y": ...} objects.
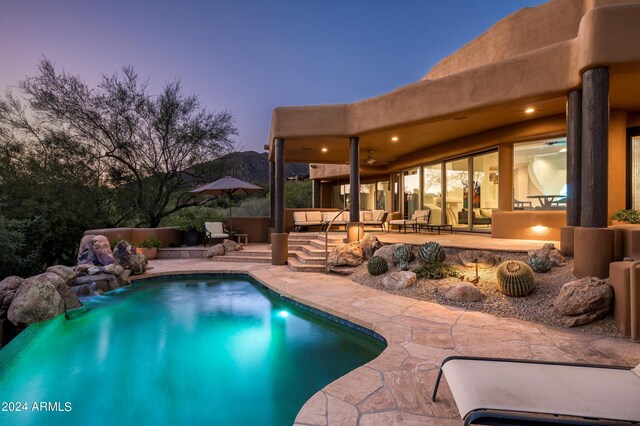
[{"x": 531, "y": 129}]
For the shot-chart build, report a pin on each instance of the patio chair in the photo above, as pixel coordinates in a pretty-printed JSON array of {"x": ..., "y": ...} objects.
[
  {"x": 493, "y": 391},
  {"x": 214, "y": 230}
]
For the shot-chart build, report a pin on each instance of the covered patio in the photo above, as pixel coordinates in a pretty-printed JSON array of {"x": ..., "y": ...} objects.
[{"x": 565, "y": 88}]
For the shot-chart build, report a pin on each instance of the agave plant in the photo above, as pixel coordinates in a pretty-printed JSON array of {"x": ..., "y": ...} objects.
[
  {"x": 402, "y": 256},
  {"x": 431, "y": 252}
]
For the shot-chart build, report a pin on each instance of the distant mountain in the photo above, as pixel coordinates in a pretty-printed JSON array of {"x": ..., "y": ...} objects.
[{"x": 249, "y": 166}]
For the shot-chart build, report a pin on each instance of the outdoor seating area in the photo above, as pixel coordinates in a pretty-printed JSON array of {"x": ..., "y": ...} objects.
[{"x": 314, "y": 220}]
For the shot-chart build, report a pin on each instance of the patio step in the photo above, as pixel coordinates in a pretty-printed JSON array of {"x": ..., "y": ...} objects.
[
  {"x": 319, "y": 244},
  {"x": 264, "y": 258},
  {"x": 296, "y": 265},
  {"x": 307, "y": 259}
]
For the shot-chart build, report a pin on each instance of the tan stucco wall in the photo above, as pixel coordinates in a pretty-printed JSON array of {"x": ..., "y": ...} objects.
[
  {"x": 617, "y": 175},
  {"x": 505, "y": 177},
  {"x": 548, "y": 72},
  {"x": 168, "y": 236},
  {"x": 528, "y": 224}
]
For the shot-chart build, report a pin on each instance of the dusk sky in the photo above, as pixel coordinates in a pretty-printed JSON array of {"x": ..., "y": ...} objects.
[{"x": 245, "y": 56}]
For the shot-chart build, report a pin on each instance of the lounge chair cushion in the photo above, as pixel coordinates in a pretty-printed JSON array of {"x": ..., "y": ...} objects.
[
  {"x": 366, "y": 215},
  {"x": 215, "y": 230},
  {"x": 327, "y": 216},
  {"x": 546, "y": 389},
  {"x": 299, "y": 217},
  {"x": 345, "y": 217},
  {"x": 376, "y": 215},
  {"x": 314, "y": 216}
]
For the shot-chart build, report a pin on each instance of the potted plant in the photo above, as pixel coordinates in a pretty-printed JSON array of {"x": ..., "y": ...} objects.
[
  {"x": 149, "y": 247},
  {"x": 630, "y": 216}
]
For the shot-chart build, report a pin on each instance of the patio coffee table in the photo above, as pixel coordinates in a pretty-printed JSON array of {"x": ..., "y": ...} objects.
[{"x": 402, "y": 223}]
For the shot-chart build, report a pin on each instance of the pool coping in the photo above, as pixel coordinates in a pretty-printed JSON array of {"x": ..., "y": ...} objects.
[{"x": 394, "y": 387}]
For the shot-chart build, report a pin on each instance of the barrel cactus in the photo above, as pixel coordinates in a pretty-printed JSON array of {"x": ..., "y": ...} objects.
[
  {"x": 377, "y": 265},
  {"x": 431, "y": 252},
  {"x": 402, "y": 256},
  {"x": 515, "y": 278},
  {"x": 539, "y": 264}
]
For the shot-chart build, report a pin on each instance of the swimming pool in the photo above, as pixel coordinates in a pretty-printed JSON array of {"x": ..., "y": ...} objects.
[{"x": 216, "y": 349}]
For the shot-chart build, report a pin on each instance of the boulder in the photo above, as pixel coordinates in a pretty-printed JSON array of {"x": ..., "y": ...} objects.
[
  {"x": 369, "y": 244},
  {"x": 576, "y": 320},
  {"x": 94, "y": 270},
  {"x": 346, "y": 255},
  {"x": 8, "y": 288},
  {"x": 68, "y": 296},
  {"x": 549, "y": 251},
  {"x": 485, "y": 259},
  {"x": 126, "y": 256},
  {"x": 398, "y": 280},
  {"x": 585, "y": 295},
  {"x": 113, "y": 269},
  {"x": 584, "y": 300},
  {"x": 64, "y": 272},
  {"x": 386, "y": 252},
  {"x": 102, "y": 250},
  {"x": 36, "y": 300},
  {"x": 85, "y": 252},
  {"x": 82, "y": 269},
  {"x": 230, "y": 245},
  {"x": 463, "y": 292},
  {"x": 124, "y": 277},
  {"x": 217, "y": 250}
]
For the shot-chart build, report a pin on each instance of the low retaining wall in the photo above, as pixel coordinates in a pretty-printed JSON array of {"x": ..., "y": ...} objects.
[
  {"x": 528, "y": 224},
  {"x": 169, "y": 236},
  {"x": 256, "y": 227}
]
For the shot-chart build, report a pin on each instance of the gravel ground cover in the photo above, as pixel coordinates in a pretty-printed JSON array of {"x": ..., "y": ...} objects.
[{"x": 537, "y": 307}]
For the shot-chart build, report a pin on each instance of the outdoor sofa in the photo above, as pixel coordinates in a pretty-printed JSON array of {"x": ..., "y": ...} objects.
[
  {"x": 307, "y": 219},
  {"x": 492, "y": 391}
]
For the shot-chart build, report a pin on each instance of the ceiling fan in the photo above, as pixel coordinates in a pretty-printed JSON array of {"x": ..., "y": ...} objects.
[{"x": 370, "y": 159}]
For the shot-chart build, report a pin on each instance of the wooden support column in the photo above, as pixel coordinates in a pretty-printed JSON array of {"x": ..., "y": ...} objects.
[
  {"x": 315, "y": 193},
  {"x": 272, "y": 198},
  {"x": 595, "y": 127},
  {"x": 354, "y": 179},
  {"x": 505, "y": 177},
  {"x": 574, "y": 156},
  {"x": 279, "y": 239}
]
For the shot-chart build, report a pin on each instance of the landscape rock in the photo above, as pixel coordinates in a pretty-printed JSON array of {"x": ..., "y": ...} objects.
[
  {"x": 36, "y": 300},
  {"x": 64, "y": 272},
  {"x": 584, "y": 300},
  {"x": 463, "y": 292},
  {"x": 398, "y": 280},
  {"x": 342, "y": 270},
  {"x": 85, "y": 253},
  {"x": 485, "y": 259},
  {"x": 126, "y": 256},
  {"x": 386, "y": 252},
  {"x": 83, "y": 268},
  {"x": 102, "y": 250},
  {"x": 549, "y": 251},
  {"x": 217, "y": 250},
  {"x": 230, "y": 245},
  {"x": 95, "y": 270},
  {"x": 113, "y": 269},
  {"x": 124, "y": 277},
  {"x": 68, "y": 296},
  {"x": 369, "y": 244},
  {"x": 576, "y": 320},
  {"x": 585, "y": 295},
  {"x": 8, "y": 288},
  {"x": 346, "y": 255}
]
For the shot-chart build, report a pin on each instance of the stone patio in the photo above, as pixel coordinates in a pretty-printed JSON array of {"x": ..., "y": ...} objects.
[{"x": 395, "y": 388}]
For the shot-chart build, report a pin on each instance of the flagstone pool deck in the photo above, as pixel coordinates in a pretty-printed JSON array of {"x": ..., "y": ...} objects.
[{"x": 395, "y": 387}]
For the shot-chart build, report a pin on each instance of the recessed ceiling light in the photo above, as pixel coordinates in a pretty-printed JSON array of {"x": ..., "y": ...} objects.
[
  {"x": 529, "y": 110},
  {"x": 324, "y": 149},
  {"x": 394, "y": 139}
]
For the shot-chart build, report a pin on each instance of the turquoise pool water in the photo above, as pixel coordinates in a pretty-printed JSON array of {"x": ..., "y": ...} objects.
[{"x": 215, "y": 350}]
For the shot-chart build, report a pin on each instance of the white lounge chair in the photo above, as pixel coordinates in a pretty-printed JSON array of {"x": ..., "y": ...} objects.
[
  {"x": 493, "y": 391},
  {"x": 214, "y": 230}
]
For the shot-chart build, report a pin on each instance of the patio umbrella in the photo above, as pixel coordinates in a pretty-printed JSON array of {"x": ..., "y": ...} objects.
[{"x": 227, "y": 185}]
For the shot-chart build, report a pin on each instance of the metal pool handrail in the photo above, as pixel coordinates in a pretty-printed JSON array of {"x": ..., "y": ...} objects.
[{"x": 326, "y": 239}]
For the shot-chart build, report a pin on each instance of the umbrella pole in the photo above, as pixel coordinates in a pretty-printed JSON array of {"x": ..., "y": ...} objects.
[{"x": 230, "y": 219}]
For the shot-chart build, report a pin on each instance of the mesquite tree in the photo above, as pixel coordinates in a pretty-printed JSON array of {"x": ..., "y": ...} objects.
[{"x": 147, "y": 146}]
